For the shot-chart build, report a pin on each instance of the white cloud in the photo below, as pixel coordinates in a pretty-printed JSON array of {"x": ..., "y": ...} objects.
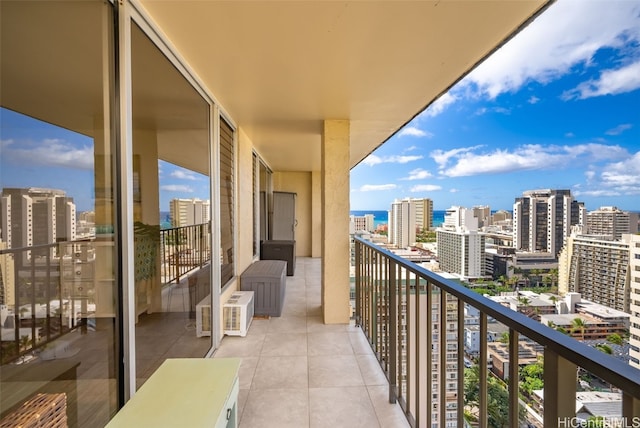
[
  {"x": 372, "y": 160},
  {"x": 410, "y": 149},
  {"x": 377, "y": 187},
  {"x": 184, "y": 174},
  {"x": 610, "y": 82},
  {"x": 414, "y": 132},
  {"x": 533, "y": 100},
  {"x": 50, "y": 152},
  {"x": 453, "y": 190},
  {"x": 440, "y": 105},
  {"x": 619, "y": 129},
  {"x": 616, "y": 179},
  {"x": 177, "y": 188},
  {"x": 425, "y": 188},
  {"x": 569, "y": 135},
  {"x": 441, "y": 157},
  {"x": 568, "y": 33},
  {"x": 528, "y": 157},
  {"x": 417, "y": 174}
]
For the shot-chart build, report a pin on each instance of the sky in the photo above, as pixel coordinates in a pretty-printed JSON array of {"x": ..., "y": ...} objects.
[
  {"x": 39, "y": 154},
  {"x": 557, "y": 107}
]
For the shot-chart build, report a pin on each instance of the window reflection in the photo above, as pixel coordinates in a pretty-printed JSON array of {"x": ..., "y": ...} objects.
[{"x": 57, "y": 273}]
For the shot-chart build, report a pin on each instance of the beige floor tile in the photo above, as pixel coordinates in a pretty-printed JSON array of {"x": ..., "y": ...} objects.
[
  {"x": 341, "y": 407},
  {"x": 247, "y": 371},
  {"x": 334, "y": 371},
  {"x": 315, "y": 325},
  {"x": 389, "y": 415},
  {"x": 281, "y": 373},
  {"x": 280, "y": 345},
  {"x": 276, "y": 408},
  {"x": 288, "y": 324},
  {"x": 236, "y": 346},
  {"x": 360, "y": 344},
  {"x": 372, "y": 373},
  {"x": 329, "y": 344}
]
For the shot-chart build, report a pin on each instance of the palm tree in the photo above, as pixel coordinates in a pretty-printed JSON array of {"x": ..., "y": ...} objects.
[
  {"x": 578, "y": 324},
  {"x": 615, "y": 338}
]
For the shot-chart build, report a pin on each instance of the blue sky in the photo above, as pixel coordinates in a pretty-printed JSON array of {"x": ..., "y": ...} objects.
[{"x": 557, "y": 107}]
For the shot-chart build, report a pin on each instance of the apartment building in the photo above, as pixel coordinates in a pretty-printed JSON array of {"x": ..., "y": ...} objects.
[
  {"x": 483, "y": 214},
  {"x": 188, "y": 212},
  {"x": 542, "y": 220},
  {"x": 408, "y": 216},
  {"x": 362, "y": 223},
  {"x": 634, "y": 306},
  {"x": 598, "y": 269},
  {"x": 460, "y": 245},
  {"x": 611, "y": 222}
]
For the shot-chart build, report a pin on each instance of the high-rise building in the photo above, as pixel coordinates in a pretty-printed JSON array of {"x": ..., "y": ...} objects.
[
  {"x": 460, "y": 246},
  {"x": 187, "y": 212},
  {"x": 36, "y": 216},
  {"x": 611, "y": 222},
  {"x": 402, "y": 223},
  {"x": 483, "y": 214},
  {"x": 363, "y": 222},
  {"x": 408, "y": 216},
  {"x": 598, "y": 269},
  {"x": 634, "y": 306},
  {"x": 542, "y": 220},
  {"x": 424, "y": 213}
]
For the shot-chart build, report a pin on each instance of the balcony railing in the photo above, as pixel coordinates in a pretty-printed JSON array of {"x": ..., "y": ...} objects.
[
  {"x": 393, "y": 297},
  {"x": 183, "y": 249},
  {"x": 46, "y": 291}
]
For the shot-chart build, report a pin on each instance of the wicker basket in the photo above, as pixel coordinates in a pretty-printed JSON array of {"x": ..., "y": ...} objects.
[{"x": 40, "y": 411}]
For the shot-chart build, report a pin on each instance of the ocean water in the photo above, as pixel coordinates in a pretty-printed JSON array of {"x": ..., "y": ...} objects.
[{"x": 382, "y": 217}]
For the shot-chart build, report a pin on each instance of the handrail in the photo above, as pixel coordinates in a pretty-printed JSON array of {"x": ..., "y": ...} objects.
[
  {"x": 184, "y": 249},
  {"x": 610, "y": 369}
]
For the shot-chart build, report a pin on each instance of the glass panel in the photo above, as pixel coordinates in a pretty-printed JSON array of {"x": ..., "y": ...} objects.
[
  {"x": 227, "y": 186},
  {"x": 57, "y": 254},
  {"x": 172, "y": 211}
]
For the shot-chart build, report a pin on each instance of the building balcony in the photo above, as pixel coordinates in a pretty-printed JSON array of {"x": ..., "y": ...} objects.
[{"x": 297, "y": 371}]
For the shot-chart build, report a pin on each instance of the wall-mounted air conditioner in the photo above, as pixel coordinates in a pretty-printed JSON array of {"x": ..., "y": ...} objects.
[
  {"x": 238, "y": 313},
  {"x": 203, "y": 317}
]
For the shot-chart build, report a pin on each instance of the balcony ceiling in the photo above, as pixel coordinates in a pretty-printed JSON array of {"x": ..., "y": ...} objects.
[{"x": 280, "y": 68}]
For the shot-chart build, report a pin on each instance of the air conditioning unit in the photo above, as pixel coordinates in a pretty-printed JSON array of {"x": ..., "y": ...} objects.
[
  {"x": 203, "y": 317},
  {"x": 238, "y": 313}
]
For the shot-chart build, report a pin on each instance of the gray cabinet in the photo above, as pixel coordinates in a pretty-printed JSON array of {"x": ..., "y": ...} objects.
[{"x": 284, "y": 217}]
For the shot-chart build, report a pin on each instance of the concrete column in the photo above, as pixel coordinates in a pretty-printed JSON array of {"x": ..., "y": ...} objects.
[
  {"x": 316, "y": 214},
  {"x": 335, "y": 222}
]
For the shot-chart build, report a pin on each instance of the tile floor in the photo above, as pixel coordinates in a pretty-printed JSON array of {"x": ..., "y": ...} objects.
[{"x": 298, "y": 372}]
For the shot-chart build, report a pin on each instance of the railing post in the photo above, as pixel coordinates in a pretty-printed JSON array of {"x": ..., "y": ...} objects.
[
  {"x": 559, "y": 390},
  {"x": 358, "y": 283},
  {"x": 630, "y": 409},
  {"x": 514, "y": 404},
  {"x": 483, "y": 417},
  {"x": 392, "y": 326}
]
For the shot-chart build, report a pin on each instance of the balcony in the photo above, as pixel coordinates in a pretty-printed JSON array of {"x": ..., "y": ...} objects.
[
  {"x": 404, "y": 353},
  {"x": 298, "y": 372}
]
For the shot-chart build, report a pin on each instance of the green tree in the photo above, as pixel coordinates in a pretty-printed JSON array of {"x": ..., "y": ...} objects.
[
  {"x": 604, "y": 348},
  {"x": 532, "y": 376},
  {"x": 577, "y": 324},
  {"x": 615, "y": 338},
  {"x": 497, "y": 394}
]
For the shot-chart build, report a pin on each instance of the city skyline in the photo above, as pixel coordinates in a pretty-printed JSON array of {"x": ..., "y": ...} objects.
[{"x": 555, "y": 108}]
